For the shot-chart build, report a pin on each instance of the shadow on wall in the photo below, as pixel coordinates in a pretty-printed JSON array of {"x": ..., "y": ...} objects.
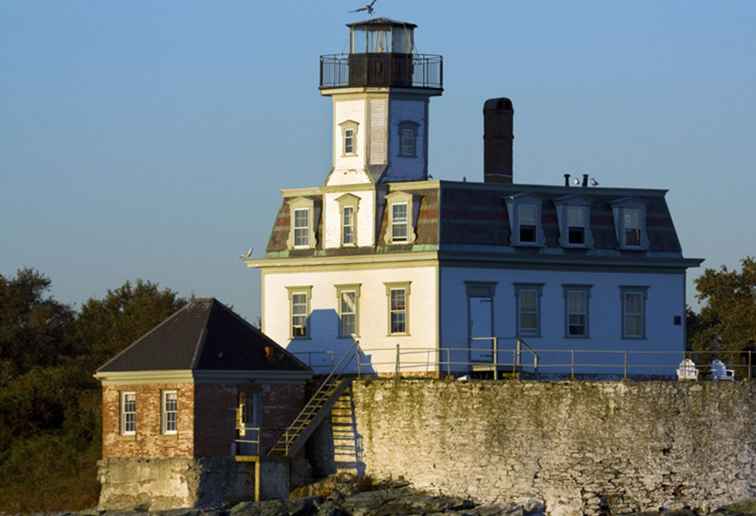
[
  {"x": 324, "y": 347},
  {"x": 336, "y": 445}
]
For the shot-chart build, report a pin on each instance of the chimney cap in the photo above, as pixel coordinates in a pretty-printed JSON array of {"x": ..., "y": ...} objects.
[{"x": 498, "y": 104}]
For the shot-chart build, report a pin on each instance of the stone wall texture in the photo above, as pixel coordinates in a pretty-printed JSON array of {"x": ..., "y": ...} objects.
[
  {"x": 581, "y": 447},
  {"x": 149, "y": 441}
]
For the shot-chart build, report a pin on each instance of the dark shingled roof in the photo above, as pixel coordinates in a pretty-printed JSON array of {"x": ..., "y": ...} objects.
[
  {"x": 475, "y": 215},
  {"x": 381, "y": 22},
  {"x": 204, "y": 335}
]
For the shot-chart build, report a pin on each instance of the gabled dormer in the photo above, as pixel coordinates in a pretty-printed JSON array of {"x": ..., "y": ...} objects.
[
  {"x": 525, "y": 220},
  {"x": 574, "y": 217},
  {"x": 630, "y": 224}
]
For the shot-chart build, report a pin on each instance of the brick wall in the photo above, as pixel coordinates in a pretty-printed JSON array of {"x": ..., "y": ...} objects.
[
  {"x": 215, "y": 428},
  {"x": 149, "y": 441}
]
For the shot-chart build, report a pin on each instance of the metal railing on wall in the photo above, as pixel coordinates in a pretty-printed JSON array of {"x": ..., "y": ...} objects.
[{"x": 536, "y": 363}]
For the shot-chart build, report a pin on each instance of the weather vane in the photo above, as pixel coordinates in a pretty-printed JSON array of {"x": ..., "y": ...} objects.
[{"x": 367, "y": 7}]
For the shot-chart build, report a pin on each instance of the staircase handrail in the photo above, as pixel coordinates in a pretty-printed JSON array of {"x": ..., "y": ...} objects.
[
  {"x": 521, "y": 343},
  {"x": 339, "y": 365}
]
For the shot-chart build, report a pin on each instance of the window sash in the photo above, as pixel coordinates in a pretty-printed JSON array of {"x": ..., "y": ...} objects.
[
  {"x": 577, "y": 313},
  {"x": 348, "y": 312},
  {"x": 408, "y": 142},
  {"x": 399, "y": 220},
  {"x": 299, "y": 306},
  {"x": 398, "y": 310},
  {"x": 347, "y": 225},
  {"x": 631, "y": 226},
  {"x": 348, "y": 141},
  {"x": 301, "y": 227},
  {"x": 527, "y": 219},
  {"x": 528, "y": 311},
  {"x": 633, "y": 314},
  {"x": 170, "y": 412},
  {"x": 128, "y": 413}
]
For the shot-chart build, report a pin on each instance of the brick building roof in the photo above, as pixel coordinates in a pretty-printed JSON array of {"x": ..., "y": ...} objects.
[{"x": 204, "y": 335}]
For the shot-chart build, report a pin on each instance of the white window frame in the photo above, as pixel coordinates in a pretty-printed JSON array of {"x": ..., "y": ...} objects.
[
  {"x": 579, "y": 212},
  {"x": 398, "y": 198},
  {"x": 349, "y": 141},
  {"x": 123, "y": 421},
  {"x": 349, "y": 130},
  {"x": 585, "y": 290},
  {"x": 398, "y": 287},
  {"x": 297, "y": 205},
  {"x": 628, "y": 227},
  {"x": 514, "y": 205},
  {"x": 398, "y": 223},
  {"x": 165, "y": 412},
  {"x": 349, "y": 201},
  {"x": 342, "y": 290},
  {"x": 537, "y": 290},
  {"x": 619, "y": 210},
  {"x": 350, "y": 225},
  {"x": 294, "y": 292},
  {"x": 642, "y": 294},
  {"x": 299, "y": 228}
]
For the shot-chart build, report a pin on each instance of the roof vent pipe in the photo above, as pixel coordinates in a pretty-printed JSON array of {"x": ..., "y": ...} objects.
[
  {"x": 498, "y": 134},
  {"x": 567, "y": 180},
  {"x": 585, "y": 180}
]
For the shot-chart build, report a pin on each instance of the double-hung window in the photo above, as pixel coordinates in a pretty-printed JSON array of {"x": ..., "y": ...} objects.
[
  {"x": 631, "y": 225},
  {"x": 299, "y": 311},
  {"x": 349, "y": 141},
  {"x": 347, "y": 225},
  {"x": 398, "y": 295},
  {"x": 170, "y": 412},
  {"x": 399, "y": 222},
  {"x": 528, "y": 310},
  {"x": 128, "y": 413},
  {"x": 348, "y": 299},
  {"x": 527, "y": 215},
  {"x": 576, "y": 310},
  {"x": 408, "y": 139},
  {"x": 633, "y": 312},
  {"x": 576, "y": 225},
  {"x": 301, "y": 227}
]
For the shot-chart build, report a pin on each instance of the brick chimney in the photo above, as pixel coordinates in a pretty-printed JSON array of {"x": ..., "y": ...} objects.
[{"x": 498, "y": 135}]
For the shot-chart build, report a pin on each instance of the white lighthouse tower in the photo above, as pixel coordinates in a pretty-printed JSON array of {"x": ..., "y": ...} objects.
[{"x": 381, "y": 91}]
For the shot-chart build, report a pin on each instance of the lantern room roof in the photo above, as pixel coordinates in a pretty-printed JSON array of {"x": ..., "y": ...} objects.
[{"x": 377, "y": 23}]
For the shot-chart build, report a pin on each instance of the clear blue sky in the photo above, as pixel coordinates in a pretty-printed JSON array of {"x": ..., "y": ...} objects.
[{"x": 150, "y": 139}]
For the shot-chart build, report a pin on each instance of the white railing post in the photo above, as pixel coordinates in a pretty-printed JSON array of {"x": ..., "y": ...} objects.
[
  {"x": 495, "y": 358},
  {"x": 397, "y": 366}
]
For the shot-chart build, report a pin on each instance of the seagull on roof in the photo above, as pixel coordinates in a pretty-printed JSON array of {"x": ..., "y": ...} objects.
[{"x": 367, "y": 7}]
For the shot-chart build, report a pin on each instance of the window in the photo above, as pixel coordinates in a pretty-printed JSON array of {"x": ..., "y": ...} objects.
[
  {"x": 299, "y": 300},
  {"x": 399, "y": 221},
  {"x": 631, "y": 226},
  {"x": 634, "y": 312},
  {"x": 576, "y": 298},
  {"x": 575, "y": 225},
  {"x": 128, "y": 413},
  {"x": 528, "y": 309},
  {"x": 527, "y": 216},
  {"x": 347, "y": 225},
  {"x": 398, "y": 308},
  {"x": 301, "y": 227},
  {"x": 170, "y": 412},
  {"x": 349, "y": 141},
  {"x": 408, "y": 139},
  {"x": 348, "y": 301}
]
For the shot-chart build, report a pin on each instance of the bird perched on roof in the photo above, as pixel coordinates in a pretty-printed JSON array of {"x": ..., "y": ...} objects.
[{"x": 367, "y": 7}]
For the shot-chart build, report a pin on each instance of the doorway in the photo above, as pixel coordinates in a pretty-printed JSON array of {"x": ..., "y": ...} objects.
[{"x": 481, "y": 327}]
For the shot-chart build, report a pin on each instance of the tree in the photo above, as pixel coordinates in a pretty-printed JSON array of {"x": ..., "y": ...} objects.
[
  {"x": 107, "y": 326},
  {"x": 727, "y": 322}
]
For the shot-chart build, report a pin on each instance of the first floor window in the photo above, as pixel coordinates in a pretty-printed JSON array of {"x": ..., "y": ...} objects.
[
  {"x": 577, "y": 312},
  {"x": 170, "y": 412},
  {"x": 528, "y": 311},
  {"x": 128, "y": 413},
  {"x": 301, "y": 227},
  {"x": 631, "y": 226},
  {"x": 299, "y": 314},
  {"x": 399, "y": 222},
  {"x": 347, "y": 225},
  {"x": 576, "y": 225},
  {"x": 633, "y": 313},
  {"x": 527, "y": 219},
  {"x": 398, "y": 310},
  {"x": 348, "y": 313}
]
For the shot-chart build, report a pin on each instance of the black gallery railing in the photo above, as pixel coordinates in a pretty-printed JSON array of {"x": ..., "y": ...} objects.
[{"x": 382, "y": 70}]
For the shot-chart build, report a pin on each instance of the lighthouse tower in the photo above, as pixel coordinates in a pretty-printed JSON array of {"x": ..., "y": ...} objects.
[{"x": 381, "y": 90}]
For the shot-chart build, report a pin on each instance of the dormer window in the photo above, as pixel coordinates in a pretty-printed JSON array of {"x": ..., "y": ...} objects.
[
  {"x": 631, "y": 227},
  {"x": 302, "y": 227},
  {"x": 349, "y": 138},
  {"x": 302, "y": 216},
  {"x": 576, "y": 225},
  {"x": 408, "y": 139},
  {"x": 399, "y": 209},
  {"x": 528, "y": 222}
]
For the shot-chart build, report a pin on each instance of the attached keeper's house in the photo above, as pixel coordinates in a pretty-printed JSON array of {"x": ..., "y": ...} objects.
[
  {"x": 381, "y": 256},
  {"x": 184, "y": 406}
]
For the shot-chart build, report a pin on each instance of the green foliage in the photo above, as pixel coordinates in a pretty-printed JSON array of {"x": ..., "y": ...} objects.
[
  {"x": 50, "y": 436},
  {"x": 727, "y": 321}
]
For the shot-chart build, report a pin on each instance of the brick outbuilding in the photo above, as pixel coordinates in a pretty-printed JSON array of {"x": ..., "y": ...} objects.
[{"x": 182, "y": 402}]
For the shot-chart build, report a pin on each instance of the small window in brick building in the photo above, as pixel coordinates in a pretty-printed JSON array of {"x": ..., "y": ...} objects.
[
  {"x": 170, "y": 412},
  {"x": 128, "y": 413}
]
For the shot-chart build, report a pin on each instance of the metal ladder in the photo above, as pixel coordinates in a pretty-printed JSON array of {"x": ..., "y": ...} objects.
[{"x": 295, "y": 436}]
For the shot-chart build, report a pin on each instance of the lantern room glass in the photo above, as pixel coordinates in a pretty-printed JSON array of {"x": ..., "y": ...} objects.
[{"x": 381, "y": 40}]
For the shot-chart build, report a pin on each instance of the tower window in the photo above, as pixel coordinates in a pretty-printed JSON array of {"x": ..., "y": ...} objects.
[
  {"x": 347, "y": 225},
  {"x": 576, "y": 225},
  {"x": 349, "y": 141},
  {"x": 408, "y": 139},
  {"x": 527, "y": 216}
]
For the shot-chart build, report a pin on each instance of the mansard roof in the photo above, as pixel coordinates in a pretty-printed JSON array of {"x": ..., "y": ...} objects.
[
  {"x": 204, "y": 335},
  {"x": 466, "y": 217}
]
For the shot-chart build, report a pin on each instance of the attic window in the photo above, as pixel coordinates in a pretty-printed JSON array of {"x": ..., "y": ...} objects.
[
  {"x": 576, "y": 225},
  {"x": 399, "y": 222},
  {"x": 399, "y": 210},
  {"x": 301, "y": 227},
  {"x": 631, "y": 226},
  {"x": 527, "y": 215},
  {"x": 302, "y": 216}
]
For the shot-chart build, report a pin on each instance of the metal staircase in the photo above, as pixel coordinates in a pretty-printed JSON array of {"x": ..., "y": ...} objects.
[{"x": 296, "y": 435}]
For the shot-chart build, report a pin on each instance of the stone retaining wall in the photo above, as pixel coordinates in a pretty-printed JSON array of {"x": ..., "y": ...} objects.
[{"x": 581, "y": 447}]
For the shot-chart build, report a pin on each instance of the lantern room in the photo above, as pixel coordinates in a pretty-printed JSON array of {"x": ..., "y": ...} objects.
[{"x": 381, "y": 54}]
